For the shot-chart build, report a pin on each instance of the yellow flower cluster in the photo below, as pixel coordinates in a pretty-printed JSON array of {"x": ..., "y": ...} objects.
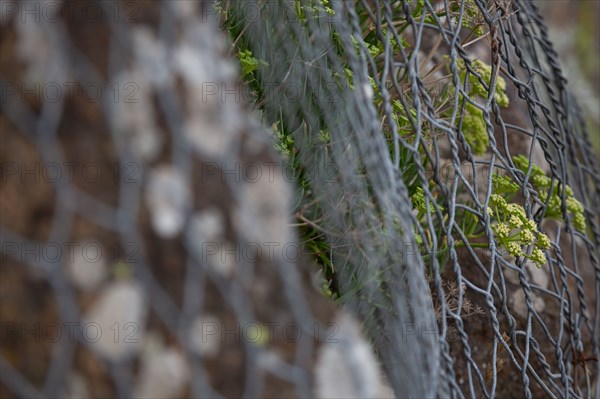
[
  {"x": 543, "y": 184},
  {"x": 516, "y": 232}
]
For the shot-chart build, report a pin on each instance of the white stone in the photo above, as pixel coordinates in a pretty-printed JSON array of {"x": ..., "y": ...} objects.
[
  {"x": 44, "y": 60},
  {"x": 224, "y": 260},
  {"x": 189, "y": 62},
  {"x": 214, "y": 120},
  {"x": 519, "y": 304},
  {"x": 168, "y": 198},
  {"x": 207, "y": 225},
  {"x": 205, "y": 136},
  {"x": 539, "y": 275},
  {"x": 205, "y": 336},
  {"x": 151, "y": 56},
  {"x": 368, "y": 91},
  {"x": 163, "y": 375},
  {"x": 262, "y": 217},
  {"x": 87, "y": 266},
  {"x": 133, "y": 115},
  {"x": 114, "y": 325},
  {"x": 212, "y": 95},
  {"x": 347, "y": 368}
]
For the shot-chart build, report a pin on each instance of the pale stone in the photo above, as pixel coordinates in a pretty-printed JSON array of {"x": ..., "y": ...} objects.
[
  {"x": 367, "y": 91},
  {"x": 224, "y": 260},
  {"x": 133, "y": 117},
  {"x": 190, "y": 63},
  {"x": 206, "y": 137},
  {"x": 346, "y": 366},
  {"x": 212, "y": 98},
  {"x": 262, "y": 215},
  {"x": 45, "y": 63},
  {"x": 114, "y": 325},
  {"x": 205, "y": 336},
  {"x": 87, "y": 266},
  {"x": 207, "y": 224},
  {"x": 168, "y": 198},
  {"x": 214, "y": 121},
  {"x": 519, "y": 304},
  {"x": 151, "y": 56},
  {"x": 539, "y": 275},
  {"x": 163, "y": 375}
]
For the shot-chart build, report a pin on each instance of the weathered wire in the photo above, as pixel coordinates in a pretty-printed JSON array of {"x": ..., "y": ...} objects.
[{"x": 474, "y": 322}]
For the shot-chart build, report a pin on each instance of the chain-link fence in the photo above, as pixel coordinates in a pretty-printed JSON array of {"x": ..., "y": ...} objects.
[{"x": 382, "y": 198}]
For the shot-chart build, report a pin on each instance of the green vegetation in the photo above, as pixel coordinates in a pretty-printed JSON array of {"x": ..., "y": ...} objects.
[
  {"x": 550, "y": 194},
  {"x": 248, "y": 63},
  {"x": 473, "y": 124},
  {"x": 513, "y": 232}
]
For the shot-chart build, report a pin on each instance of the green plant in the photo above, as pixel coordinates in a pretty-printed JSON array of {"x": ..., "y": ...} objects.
[
  {"x": 471, "y": 17},
  {"x": 515, "y": 232},
  {"x": 283, "y": 143},
  {"x": 521, "y": 239},
  {"x": 248, "y": 63},
  {"x": 550, "y": 194},
  {"x": 473, "y": 124},
  {"x": 312, "y": 9}
]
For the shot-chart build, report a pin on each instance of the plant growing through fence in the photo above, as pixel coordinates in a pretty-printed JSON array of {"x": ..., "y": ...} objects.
[{"x": 514, "y": 233}]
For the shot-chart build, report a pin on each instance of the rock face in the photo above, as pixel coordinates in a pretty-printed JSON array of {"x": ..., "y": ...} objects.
[
  {"x": 200, "y": 245},
  {"x": 123, "y": 125}
]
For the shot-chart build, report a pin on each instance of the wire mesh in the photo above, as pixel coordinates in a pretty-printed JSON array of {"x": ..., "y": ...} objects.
[{"x": 430, "y": 148}]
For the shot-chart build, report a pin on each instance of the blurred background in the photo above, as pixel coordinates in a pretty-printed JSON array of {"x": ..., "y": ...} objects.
[{"x": 575, "y": 33}]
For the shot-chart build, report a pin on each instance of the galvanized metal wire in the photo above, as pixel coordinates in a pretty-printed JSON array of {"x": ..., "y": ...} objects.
[{"x": 195, "y": 237}]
